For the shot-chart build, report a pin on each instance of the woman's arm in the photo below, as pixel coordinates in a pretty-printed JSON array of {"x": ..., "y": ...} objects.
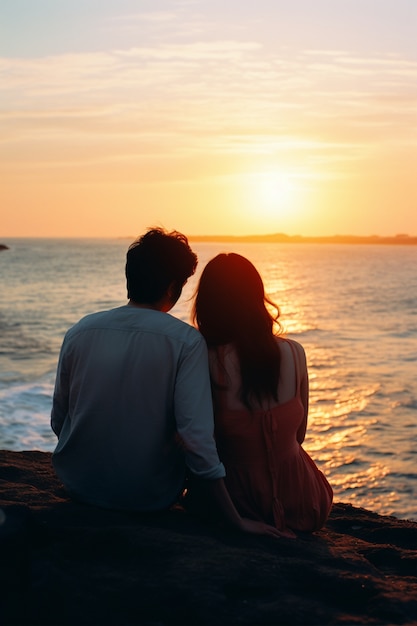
[
  {"x": 304, "y": 389},
  {"x": 221, "y": 497}
]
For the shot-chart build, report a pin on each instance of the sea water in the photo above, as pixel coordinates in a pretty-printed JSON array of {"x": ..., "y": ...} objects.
[{"x": 352, "y": 307}]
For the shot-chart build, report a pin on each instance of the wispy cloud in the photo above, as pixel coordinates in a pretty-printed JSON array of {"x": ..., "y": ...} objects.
[
  {"x": 153, "y": 17},
  {"x": 226, "y": 96}
]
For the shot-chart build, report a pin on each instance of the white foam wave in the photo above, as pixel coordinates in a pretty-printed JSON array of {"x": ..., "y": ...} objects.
[{"x": 25, "y": 416}]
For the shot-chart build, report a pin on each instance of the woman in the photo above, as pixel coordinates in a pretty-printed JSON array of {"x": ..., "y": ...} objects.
[{"x": 260, "y": 394}]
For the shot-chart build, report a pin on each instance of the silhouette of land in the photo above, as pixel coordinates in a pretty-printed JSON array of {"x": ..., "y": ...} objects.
[{"x": 402, "y": 239}]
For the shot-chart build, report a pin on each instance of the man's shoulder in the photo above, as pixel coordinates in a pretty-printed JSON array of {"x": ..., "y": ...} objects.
[
  {"x": 91, "y": 320},
  {"x": 176, "y": 328},
  {"x": 143, "y": 320}
]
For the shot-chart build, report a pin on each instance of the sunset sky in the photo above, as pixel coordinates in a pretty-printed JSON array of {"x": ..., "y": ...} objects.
[{"x": 208, "y": 116}]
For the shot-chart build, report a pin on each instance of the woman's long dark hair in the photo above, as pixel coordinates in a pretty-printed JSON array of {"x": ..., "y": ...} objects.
[{"x": 230, "y": 307}]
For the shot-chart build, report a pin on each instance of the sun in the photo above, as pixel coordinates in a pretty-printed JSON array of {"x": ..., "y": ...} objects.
[
  {"x": 275, "y": 190},
  {"x": 274, "y": 199}
]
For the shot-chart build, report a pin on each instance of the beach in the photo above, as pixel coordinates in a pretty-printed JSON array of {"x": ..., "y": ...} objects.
[{"x": 65, "y": 563}]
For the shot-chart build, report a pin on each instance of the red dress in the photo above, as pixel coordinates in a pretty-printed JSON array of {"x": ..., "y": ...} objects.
[{"x": 269, "y": 475}]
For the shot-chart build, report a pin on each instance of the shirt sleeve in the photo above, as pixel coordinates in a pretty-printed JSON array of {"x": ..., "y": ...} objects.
[
  {"x": 194, "y": 413},
  {"x": 60, "y": 400}
]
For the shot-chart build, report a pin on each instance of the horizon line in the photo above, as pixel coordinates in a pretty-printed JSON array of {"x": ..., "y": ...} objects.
[
  {"x": 401, "y": 238},
  {"x": 282, "y": 238}
]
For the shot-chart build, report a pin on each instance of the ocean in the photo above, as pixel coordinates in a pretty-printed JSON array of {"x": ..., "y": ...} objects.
[{"x": 352, "y": 307}]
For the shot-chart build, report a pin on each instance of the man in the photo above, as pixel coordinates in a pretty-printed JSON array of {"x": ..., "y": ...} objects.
[{"x": 132, "y": 402}]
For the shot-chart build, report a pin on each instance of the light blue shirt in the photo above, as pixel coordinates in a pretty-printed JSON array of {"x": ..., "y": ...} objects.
[{"x": 132, "y": 407}]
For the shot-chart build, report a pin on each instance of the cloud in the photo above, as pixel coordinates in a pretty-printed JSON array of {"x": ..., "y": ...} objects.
[
  {"x": 153, "y": 16},
  {"x": 217, "y": 97}
]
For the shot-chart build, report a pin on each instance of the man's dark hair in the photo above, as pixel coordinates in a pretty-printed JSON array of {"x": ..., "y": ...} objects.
[{"x": 154, "y": 261}]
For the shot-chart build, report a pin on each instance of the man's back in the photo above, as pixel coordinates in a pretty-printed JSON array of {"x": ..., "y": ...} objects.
[{"x": 128, "y": 380}]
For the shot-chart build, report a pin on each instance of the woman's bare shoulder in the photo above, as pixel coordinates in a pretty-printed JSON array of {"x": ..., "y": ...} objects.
[{"x": 296, "y": 346}]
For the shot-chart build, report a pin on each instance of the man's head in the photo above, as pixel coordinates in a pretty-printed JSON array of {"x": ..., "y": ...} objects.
[{"x": 158, "y": 263}]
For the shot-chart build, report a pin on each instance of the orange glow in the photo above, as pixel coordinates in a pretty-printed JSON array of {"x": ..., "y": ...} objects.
[{"x": 212, "y": 125}]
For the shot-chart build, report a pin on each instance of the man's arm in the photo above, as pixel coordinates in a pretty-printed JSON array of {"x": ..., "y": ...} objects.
[{"x": 193, "y": 409}]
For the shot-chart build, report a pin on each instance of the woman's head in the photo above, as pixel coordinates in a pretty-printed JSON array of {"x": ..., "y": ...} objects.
[
  {"x": 230, "y": 300},
  {"x": 230, "y": 307}
]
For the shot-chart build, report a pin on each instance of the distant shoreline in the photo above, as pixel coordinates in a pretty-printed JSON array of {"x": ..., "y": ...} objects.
[
  {"x": 402, "y": 240},
  {"x": 396, "y": 240}
]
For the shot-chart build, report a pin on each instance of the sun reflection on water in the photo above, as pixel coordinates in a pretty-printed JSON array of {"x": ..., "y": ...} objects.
[
  {"x": 339, "y": 427},
  {"x": 366, "y": 488}
]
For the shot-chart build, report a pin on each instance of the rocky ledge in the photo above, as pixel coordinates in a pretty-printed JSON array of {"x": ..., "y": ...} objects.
[{"x": 66, "y": 563}]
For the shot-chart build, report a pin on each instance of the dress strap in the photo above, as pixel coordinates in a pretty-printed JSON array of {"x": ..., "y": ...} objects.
[{"x": 296, "y": 366}]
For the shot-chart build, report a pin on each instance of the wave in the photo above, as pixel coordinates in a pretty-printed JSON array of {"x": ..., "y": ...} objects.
[
  {"x": 308, "y": 332},
  {"x": 407, "y": 476},
  {"x": 25, "y": 416}
]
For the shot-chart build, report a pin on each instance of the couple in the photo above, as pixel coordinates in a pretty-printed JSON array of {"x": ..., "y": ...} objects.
[{"x": 135, "y": 391}]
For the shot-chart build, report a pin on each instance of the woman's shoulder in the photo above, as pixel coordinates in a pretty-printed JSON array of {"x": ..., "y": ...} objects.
[{"x": 295, "y": 345}]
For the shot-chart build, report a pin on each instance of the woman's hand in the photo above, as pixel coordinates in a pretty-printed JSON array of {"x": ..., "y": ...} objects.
[
  {"x": 260, "y": 528},
  {"x": 221, "y": 496}
]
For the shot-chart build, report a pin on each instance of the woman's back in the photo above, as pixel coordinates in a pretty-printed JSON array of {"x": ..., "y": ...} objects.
[
  {"x": 269, "y": 475},
  {"x": 260, "y": 393}
]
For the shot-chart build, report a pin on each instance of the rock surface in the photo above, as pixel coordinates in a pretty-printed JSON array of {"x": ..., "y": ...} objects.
[{"x": 64, "y": 563}]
